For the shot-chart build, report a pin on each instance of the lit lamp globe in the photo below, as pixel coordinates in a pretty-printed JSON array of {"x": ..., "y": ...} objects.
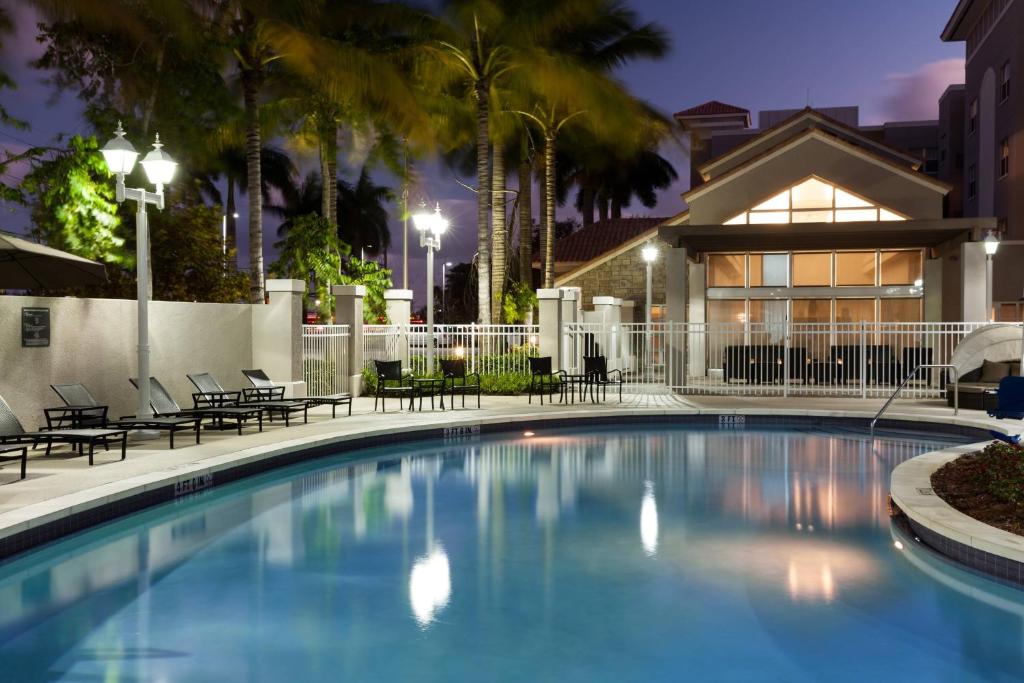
[
  {"x": 159, "y": 165},
  {"x": 650, "y": 253},
  {"x": 433, "y": 223},
  {"x": 119, "y": 154},
  {"x": 991, "y": 243}
]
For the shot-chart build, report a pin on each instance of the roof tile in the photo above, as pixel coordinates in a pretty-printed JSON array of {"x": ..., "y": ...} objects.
[
  {"x": 597, "y": 238},
  {"x": 712, "y": 108}
]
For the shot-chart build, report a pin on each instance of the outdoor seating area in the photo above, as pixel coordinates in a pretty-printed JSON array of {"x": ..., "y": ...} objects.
[{"x": 843, "y": 364}]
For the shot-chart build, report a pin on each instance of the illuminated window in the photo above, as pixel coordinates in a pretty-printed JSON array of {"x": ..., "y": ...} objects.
[
  {"x": 855, "y": 310},
  {"x": 900, "y": 267},
  {"x": 812, "y": 310},
  {"x": 726, "y": 270},
  {"x": 769, "y": 270},
  {"x": 900, "y": 310},
  {"x": 727, "y": 311},
  {"x": 812, "y": 269},
  {"x": 814, "y": 201},
  {"x": 855, "y": 268}
]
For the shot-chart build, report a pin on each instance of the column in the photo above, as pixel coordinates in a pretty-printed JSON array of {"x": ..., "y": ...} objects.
[
  {"x": 696, "y": 313},
  {"x": 550, "y": 312},
  {"x": 348, "y": 310},
  {"x": 973, "y": 282},
  {"x": 628, "y": 341},
  {"x": 607, "y": 309},
  {"x": 277, "y": 335},
  {"x": 676, "y": 300},
  {"x": 399, "y": 307},
  {"x": 570, "y": 308},
  {"x": 933, "y": 290}
]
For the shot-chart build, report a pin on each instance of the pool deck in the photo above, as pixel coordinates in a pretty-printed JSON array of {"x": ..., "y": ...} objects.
[{"x": 64, "y": 484}]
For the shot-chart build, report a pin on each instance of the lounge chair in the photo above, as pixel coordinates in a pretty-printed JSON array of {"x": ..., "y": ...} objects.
[
  {"x": 1009, "y": 406},
  {"x": 456, "y": 380},
  {"x": 401, "y": 385},
  {"x": 212, "y": 394},
  {"x": 263, "y": 389},
  {"x": 83, "y": 410},
  {"x": 164, "y": 405},
  {"x": 21, "y": 454},
  {"x": 599, "y": 377},
  {"x": 11, "y": 432}
]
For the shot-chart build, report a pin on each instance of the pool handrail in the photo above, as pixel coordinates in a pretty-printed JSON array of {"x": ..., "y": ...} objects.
[{"x": 910, "y": 375}]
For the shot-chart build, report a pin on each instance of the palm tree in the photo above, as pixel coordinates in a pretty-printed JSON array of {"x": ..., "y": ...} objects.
[{"x": 611, "y": 186}]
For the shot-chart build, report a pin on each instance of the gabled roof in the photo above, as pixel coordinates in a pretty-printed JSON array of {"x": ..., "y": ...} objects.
[
  {"x": 597, "y": 238},
  {"x": 712, "y": 108},
  {"x": 952, "y": 31},
  {"x": 817, "y": 119},
  {"x": 824, "y": 136}
]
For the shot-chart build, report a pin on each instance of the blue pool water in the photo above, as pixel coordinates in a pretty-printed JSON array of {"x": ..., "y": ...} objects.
[{"x": 629, "y": 554}]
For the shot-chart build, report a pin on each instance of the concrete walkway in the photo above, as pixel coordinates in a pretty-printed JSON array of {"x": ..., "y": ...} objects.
[{"x": 63, "y": 483}]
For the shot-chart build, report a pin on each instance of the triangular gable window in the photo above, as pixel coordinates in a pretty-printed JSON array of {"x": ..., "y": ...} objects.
[{"x": 815, "y": 201}]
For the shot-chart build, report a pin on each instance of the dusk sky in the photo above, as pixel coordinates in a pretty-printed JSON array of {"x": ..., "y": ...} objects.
[{"x": 883, "y": 56}]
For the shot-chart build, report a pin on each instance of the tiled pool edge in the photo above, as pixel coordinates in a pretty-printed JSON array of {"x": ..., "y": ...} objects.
[
  {"x": 948, "y": 531},
  {"x": 41, "y": 523}
]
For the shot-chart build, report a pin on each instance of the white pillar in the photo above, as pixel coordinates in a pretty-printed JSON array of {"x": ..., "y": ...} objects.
[
  {"x": 277, "y": 335},
  {"x": 676, "y": 300},
  {"x": 550, "y": 305},
  {"x": 973, "y": 282},
  {"x": 348, "y": 310},
  {"x": 571, "y": 313},
  {"x": 399, "y": 308},
  {"x": 932, "y": 283},
  {"x": 696, "y": 312}
]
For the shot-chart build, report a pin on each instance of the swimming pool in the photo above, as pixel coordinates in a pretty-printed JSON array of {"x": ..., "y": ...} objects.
[{"x": 627, "y": 554}]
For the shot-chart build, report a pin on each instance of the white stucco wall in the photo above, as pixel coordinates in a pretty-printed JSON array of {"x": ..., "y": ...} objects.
[{"x": 93, "y": 342}]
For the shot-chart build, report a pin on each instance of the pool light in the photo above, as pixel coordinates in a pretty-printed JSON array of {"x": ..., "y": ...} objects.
[
  {"x": 528, "y": 434},
  {"x": 430, "y": 585},
  {"x": 649, "y": 520}
]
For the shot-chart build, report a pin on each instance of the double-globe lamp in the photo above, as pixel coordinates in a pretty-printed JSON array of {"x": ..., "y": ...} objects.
[
  {"x": 120, "y": 157},
  {"x": 431, "y": 225}
]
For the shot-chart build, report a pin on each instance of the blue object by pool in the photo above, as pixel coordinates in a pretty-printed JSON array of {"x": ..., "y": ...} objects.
[{"x": 633, "y": 554}]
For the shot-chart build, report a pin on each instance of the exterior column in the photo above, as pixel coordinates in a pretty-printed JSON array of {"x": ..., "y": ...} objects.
[
  {"x": 348, "y": 310},
  {"x": 550, "y": 305},
  {"x": 571, "y": 313},
  {"x": 608, "y": 313},
  {"x": 973, "y": 282},
  {"x": 277, "y": 335},
  {"x": 676, "y": 300},
  {"x": 696, "y": 313},
  {"x": 399, "y": 308},
  {"x": 627, "y": 341},
  {"x": 932, "y": 290}
]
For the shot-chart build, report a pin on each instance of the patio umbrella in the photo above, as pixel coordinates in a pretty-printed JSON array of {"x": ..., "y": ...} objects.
[{"x": 27, "y": 265}]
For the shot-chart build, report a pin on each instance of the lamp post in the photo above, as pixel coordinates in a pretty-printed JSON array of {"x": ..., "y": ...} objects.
[
  {"x": 431, "y": 227},
  {"x": 159, "y": 166},
  {"x": 224, "y": 236},
  {"x": 650, "y": 255},
  {"x": 444, "y": 292},
  {"x": 991, "y": 243}
]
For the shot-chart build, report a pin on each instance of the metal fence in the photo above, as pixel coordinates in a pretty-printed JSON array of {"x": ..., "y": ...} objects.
[
  {"x": 325, "y": 363},
  {"x": 487, "y": 349},
  {"x": 781, "y": 359}
]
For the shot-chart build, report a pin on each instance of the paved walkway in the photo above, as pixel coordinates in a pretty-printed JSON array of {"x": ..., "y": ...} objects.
[{"x": 64, "y": 482}]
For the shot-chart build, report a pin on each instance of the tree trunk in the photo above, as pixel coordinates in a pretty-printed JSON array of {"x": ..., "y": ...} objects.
[
  {"x": 498, "y": 229},
  {"x": 549, "y": 210},
  {"x": 616, "y": 209},
  {"x": 147, "y": 111},
  {"x": 542, "y": 205},
  {"x": 525, "y": 223},
  {"x": 483, "y": 206},
  {"x": 229, "y": 213},
  {"x": 602, "y": 209},
  {"x": 325, "y": 174},
  {"x": 332, "y": 173},
  {"x": 251, "y": 81},
  {"x": 588, "y": 201}
]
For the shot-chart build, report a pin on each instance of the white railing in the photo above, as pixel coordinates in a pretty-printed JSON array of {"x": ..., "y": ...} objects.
[
  {"x": 487, "y": 349},
  {"x": 325, "y": 362},
  {"x": 780, "y": 359}
]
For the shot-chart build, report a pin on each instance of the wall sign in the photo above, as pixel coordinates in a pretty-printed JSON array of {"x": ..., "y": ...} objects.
[{"x": 35, "y": 326}]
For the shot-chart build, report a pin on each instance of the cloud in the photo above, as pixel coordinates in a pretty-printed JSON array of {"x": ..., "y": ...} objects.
[{"x": 915, "y": 95}]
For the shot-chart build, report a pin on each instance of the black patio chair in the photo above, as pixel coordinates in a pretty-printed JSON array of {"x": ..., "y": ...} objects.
[
  {"x": 263, "y": 389},
  {"x": 391, "y": 371},
  {"x": 456, "y": 380},
  {"x": 599, "y": 377},
  {"x": 11, "y": 432},
  {"x": 22, "y": 455},
  {"x": 83, "y": 410},
  {"x": 164, "y": 405},
  {"x": 541, "y": 378},
  {"x": 212, "y": 394}
]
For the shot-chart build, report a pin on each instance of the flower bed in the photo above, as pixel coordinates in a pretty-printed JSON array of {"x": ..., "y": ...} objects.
[{"x": 987, "y": 485}]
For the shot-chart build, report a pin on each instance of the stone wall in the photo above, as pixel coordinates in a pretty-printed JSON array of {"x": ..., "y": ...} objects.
[{"x": 624, "y": 277}]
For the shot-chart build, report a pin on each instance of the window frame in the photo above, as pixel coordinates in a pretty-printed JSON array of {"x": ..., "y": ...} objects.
[
  {"x": 1004, "y": 82},
  {"x": 972, "y": 117},
  {"x": 1004, "y": 158},
  {"x": 972, "y": 181}
]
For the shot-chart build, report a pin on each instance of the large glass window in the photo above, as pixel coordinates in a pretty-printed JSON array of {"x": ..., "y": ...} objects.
[
  {"x": 812, "y": 310},
  {"x": 855, "y": 310},
  {"x": 814, "y": 201},
  {"x": 727, "y": 311},
  {"x": 900, "y": 267},
  {"x": 812, "y": 269},
  {"x": 855, "y": 268},
  {"x": 726, "y": 270},
  {"x": 769, "y": 270},
  {"x": 899, "y": 310}
]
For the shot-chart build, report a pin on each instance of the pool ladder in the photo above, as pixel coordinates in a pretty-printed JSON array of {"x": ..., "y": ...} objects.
[{"x": 956, "y": 392}]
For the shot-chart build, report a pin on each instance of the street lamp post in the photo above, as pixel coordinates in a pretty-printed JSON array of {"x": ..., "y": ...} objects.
[
  {"x": 120, "y": 157},
  {"x": 650, "y": 255},
  {"x": 431, "y": 227},
  {"x": 444, "y": 292},
  {"x": 224, "y": 236},
  {"x": 991, "y": 243}
]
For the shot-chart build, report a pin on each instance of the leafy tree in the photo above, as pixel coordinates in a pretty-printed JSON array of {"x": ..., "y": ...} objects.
[
  {"x": 7, "y": 26},
  {"x": 376, "y": 279},
  {"x": 518, "y": 302},
  {"x": 73, "y": 204}
]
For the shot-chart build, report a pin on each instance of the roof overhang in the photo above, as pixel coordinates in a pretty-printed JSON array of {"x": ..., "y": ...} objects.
[
  {"x": 812, "y": 236},
  {"x": 956, "y": 29}
]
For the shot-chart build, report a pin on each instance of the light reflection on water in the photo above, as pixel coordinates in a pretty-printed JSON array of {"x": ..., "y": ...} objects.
[{"x": 613, "y": 555}]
